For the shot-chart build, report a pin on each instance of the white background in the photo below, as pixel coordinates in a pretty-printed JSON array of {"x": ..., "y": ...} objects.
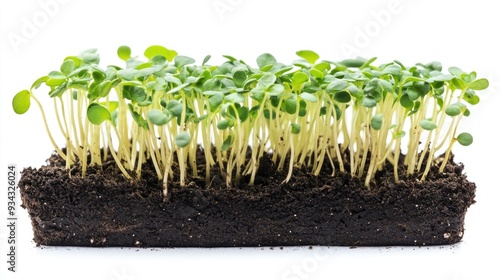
[{"x": 35, "y": 36}]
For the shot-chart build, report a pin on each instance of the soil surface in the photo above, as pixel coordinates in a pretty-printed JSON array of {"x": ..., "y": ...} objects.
[{"x": 105, "y": 209}]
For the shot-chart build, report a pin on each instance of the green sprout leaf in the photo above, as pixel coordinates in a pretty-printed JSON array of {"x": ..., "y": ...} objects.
[
  {"x": 111, "y": 105},
  {"x": 465, "y": 139},
  {"x": 427, "y": 124},
  {"x": 317, "y": 74},
  {"x": 39, "y": 82},
  {"x": 157, "y": 117},
  {"x": 388, "y": 87},
  {"x": 399, "y": 134},
  {"x": 97, "y": 114},
  {"x": 458, "y": 83},
  {"x": 466, "y": 112},
  {"x": 270, "y": 115},
  {"x": 308, "y": 97},
  {"x": 323, "y": 66},
  {"x": 127, "y": 74},
  {"x": 377, "y": 120},
  {"x": 77, "y": 61},
  {"x": 228, "y": 83},
  {"x": 393, "y": 69},
  {"x": 56, "y": 78},
  {"x": 299, "y": 78},
  {"x": 239, "y": 78},
  {"x": 21, "y": 102},
  {"x": 471, "y": 97},
  {"x": 280, "y": 71},
  {"x": 258, "y": 94},
  {"x": 182, "y": 139},
  {"x": 344, "y": 97},
  {"x": 175, "y": 108},
  {"x": 178, "y": 88},
  {"x": 454, "y": 110},
  {"x": 160, "y": 50},
  {"x": 230, "y": 58},
  {"x": 302, "y": 108},
  {"x": 267, "y": 80},
  {"x": 215, "y": 100},
  {"x": 295, "y": 128},
  {"x": 368, "y": 62},
  {"x": 206, "y": 59},
  {"x": 182, "y": 60},
  {"x": 104, "y": 88},
  {"x": 67, "y": 67},
  {"x": 134, "y": 93},
  {"x": 265, "y": 59},
  {"x": 290, "y": 105},
  {"x": 141, "y": 122},
  {"x": 338, "y": 85},
  {"x": 354, "y": 63},
  {"x": 275, "y": 90},
  {"x": 243, "y": 113},
  {"x": 90, "y": 56},
  {"x": 406, "y": 101},
  {"x": 266, "y": 68},
  {"x": 473, "y": 75},
  {"x": 235, "y": 98},
  {"x": 223, "y": 124},
  {"x": 479, "y": 84},
  {"x": 435, "y": 65},
  {"x": 369, "y": 102},
  {"x": 174, "y": 80},
  {"x": 412, "y": 94},
  {"x": 440, "y": 78},
  {"x": 422, "y": 87},
  {"x": 124, "y": 52},
  {"x": 227, "y": 143},
  {"x": 455, "y": 71},
  {"x": 145, "y": 72},
  {"x": 310, "y": 56},
  {"x": 111, "y": 74}
]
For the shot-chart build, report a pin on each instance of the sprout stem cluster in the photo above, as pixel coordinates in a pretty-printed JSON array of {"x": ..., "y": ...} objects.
[{"x": 351, "y": 115}]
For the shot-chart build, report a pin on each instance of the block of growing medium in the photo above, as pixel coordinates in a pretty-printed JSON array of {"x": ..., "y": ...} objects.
[{"x": 163, "y": 150}]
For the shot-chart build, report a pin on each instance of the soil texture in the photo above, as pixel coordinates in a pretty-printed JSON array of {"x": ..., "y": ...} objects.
[{"x": 105, "y": 209}]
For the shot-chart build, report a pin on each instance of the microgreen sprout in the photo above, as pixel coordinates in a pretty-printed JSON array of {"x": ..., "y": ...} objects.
[{"x": 351, "y": 115}]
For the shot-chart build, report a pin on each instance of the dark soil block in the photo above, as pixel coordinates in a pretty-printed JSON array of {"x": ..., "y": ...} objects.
[{"x": 105, "y": 209}]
